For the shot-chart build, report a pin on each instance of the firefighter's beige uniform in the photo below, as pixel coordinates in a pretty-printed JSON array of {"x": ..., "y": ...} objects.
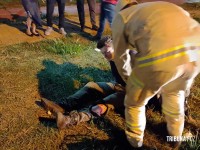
[{"x": 168, "y": 43}]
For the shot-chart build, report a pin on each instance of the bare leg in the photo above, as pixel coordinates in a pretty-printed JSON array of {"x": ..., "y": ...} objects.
[
  {"x": 28, "y": 23},
  {"x": 34, "y": 31}
]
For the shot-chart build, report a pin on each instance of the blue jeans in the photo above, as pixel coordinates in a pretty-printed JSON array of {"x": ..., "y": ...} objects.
[{"x": 107, "y": 12}]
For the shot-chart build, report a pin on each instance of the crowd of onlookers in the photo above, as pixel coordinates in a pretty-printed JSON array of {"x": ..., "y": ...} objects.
[{"x": 33, "y": 15}]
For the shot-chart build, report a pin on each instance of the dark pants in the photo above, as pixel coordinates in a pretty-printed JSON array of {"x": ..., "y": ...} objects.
[
  {"x": 81, "y": 12},
  {"x": 50, "y": 9},
  {"x": 110, "y": 94},
  {"x": 100, "y": 92}
]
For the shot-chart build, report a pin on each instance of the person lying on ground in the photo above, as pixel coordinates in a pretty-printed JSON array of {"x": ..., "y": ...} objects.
[
  {"x": 107, "y": 95},
  {"x": 101, "y": 96},
  {"x": 94, "y": 99}
]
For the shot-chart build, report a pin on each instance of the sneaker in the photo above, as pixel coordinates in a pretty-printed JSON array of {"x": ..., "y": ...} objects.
[
  {"x": 48, "y": 31},
  {"x": 62, "y": 121},
  {"x": 62, "y": 31},
  {"x": 82, "y": 29},
  {"x": 94, "y": 27}
]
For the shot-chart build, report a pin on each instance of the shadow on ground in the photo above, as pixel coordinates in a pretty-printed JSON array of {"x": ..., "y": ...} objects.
[
  {"x": 16, "y": 21},
  {"x": 71, "y": 26},
  {"x": 58, "y": 81},
  {"x": 74, "y": 27},
  {"x": 116, "y": 138}
]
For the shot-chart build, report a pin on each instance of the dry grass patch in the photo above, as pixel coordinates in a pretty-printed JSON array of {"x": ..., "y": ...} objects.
[{"x": 31, "y": 71}]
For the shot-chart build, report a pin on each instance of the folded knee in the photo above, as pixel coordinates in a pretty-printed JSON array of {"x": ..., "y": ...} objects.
[{"x": 90, "y": 84}]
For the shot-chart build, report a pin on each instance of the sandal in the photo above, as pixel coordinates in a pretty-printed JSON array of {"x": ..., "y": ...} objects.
[
  {"x": 29, "y": 33},
  {"x": 36, "y": 33}
]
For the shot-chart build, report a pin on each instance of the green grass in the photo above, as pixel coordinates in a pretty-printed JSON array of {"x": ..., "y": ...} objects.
[
  {"x": 31, "y": 70},
  {"x": 60, "y": 47},
  {"x": 55, "y": 69}
]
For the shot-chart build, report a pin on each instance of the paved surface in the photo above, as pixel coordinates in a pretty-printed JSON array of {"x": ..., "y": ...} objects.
[
  {"x": 12, "y": 25},
  {"x": 69, "y": 10}
]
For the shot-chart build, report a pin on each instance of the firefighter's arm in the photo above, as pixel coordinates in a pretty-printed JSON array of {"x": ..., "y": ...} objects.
[{"x": 121, "y": 54}]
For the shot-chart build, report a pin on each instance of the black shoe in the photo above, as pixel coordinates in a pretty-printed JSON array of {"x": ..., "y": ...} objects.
[
  {"x": 96, "y": 37},
  {"x": 175, "y": 145},
  {"x": 82, "y": 29},
  {"x": 94, "y": 27}
]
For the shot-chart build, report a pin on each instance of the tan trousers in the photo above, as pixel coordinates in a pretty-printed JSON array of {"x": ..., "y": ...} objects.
[{"x": 172, "y": 86}]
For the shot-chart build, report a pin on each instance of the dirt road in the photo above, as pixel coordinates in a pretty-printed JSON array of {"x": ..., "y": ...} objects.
[{"x": 12, "y": 25}]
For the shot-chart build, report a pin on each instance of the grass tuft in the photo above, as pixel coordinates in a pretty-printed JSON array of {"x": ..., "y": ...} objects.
[{"x": 60, "y": 47}]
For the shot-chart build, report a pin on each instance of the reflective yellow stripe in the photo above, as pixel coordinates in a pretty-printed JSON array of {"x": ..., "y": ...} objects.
[
  {"x": 163, "y": 59},
  {"x": 167, "y": 51},
  {"x": 161, "y": 53},
  {"x": 167, "y": 54},
  {"x": 133, "y": 126},
  {"x": 135, "y": 81},
  {"x": 168, "y": 113}
]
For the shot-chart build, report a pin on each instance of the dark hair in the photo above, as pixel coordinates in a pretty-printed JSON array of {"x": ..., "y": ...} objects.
[{"x": 101, "y": 43}]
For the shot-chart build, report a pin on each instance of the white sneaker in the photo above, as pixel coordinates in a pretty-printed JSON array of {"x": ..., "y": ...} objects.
[
  {"x": 62, "y": 31},
  {"x": 48, "y": 31}
]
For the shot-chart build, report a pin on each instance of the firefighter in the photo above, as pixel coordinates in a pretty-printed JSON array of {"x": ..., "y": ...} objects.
[{"x": 167, "y": 41}]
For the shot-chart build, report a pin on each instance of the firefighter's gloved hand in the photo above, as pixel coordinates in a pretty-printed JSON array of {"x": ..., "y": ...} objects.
[{"x": 99, "y": 109}]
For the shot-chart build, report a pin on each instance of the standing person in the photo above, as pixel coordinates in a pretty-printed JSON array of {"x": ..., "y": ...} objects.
[
  {"x": 50, "y": 10},
  {"x": 167, "y": 40},
  {"x": 33, "y": 16},
  {"x": 81, "y": 13},
  {"x": 107, "y": 12}
]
